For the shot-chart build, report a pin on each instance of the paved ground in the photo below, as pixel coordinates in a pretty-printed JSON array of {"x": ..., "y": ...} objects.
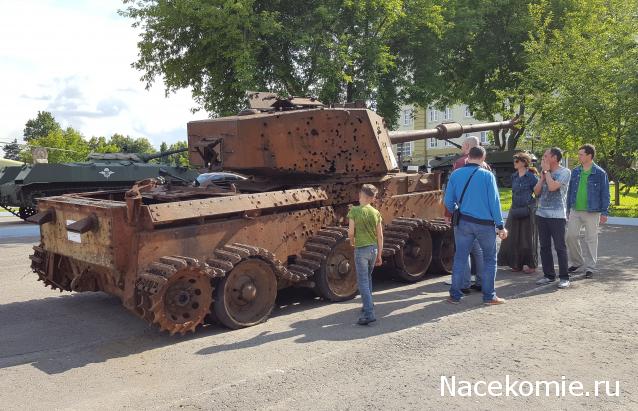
[{"x": 83, "y": 351}]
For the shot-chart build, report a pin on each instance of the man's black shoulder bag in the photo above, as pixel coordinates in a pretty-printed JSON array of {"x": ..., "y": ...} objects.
[{"x": 456, "y": 215}]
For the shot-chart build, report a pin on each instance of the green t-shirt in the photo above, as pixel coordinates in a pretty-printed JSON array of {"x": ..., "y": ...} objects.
[
  {"x": 366, "y": 218},
  {"x": 581, "y": 194}
]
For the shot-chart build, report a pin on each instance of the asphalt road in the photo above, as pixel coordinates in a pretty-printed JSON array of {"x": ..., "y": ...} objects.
[{"x": 84, "y": 351}]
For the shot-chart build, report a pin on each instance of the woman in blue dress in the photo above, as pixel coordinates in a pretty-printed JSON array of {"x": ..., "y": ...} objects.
[{"x": 519, "y": 250}]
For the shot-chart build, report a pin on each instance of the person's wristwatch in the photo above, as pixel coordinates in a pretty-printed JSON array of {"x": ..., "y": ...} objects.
[{"x": 545, "y": 171}]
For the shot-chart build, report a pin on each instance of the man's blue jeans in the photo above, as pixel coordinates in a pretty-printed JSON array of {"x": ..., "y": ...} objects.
[
  {"x": 465, "y": 234},
  {"x": 477, "y": 253},
  {"x": 364, "y": 259}
]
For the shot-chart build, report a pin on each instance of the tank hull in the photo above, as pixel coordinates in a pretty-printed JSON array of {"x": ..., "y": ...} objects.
[{"x": 125, "y": 253}]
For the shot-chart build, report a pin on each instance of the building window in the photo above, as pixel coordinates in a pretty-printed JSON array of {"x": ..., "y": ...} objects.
[
  {"x": 405, "y": 149},
  {"x": 434, "y": 114},
  {"x": 433, "y": 143},
  {"x": 447, "y": 115},
  {"x": 483, "y": 137},
  {"x": 448, "y": 144},
  {"x": 407, "y": 117},
  {"x": 468, "y": 112}
]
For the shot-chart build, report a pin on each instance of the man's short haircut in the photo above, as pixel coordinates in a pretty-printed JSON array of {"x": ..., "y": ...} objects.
[
  {"x": 589, "y": 149},
  {"x": 556, "y": 152},
  {"x": 369, "y": 190},
  {"x": 476, "y": 153},
  {"x": 472, "y": 141}
]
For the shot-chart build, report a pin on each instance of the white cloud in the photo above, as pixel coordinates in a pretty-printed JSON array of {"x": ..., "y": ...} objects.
[{"x": 73, "y": 58}]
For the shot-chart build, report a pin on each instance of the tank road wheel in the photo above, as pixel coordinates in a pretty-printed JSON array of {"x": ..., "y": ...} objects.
[
  {"x": 443, "y": 253},
  {"x": 408, "y": 240},
  {"x": 246, "y": 295},
  {"x": 329, "y": 255},
  {"x": 175, "y": 294}
]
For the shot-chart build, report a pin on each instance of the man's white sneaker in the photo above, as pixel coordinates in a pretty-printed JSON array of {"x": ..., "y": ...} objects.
[
  {"x": 563, "y": 284},
  {"x": 544, "y": 281}
]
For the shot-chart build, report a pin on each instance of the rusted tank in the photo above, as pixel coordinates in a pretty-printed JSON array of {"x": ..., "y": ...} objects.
[{"x": 180, "y": 256}]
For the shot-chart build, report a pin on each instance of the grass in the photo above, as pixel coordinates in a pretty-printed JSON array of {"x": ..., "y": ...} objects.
[{"x": 628, "y": 203}]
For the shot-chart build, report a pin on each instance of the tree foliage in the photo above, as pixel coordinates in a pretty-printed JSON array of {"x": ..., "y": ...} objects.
[
  {"x": 179, "y": 159},
  {"x": 66, "y": 145},
  {"x": 41, "y": 126},
  {"x": 585, "y": 82},
  {"x": 12, "y": 150},
  {"x": 337, "y": 50}
]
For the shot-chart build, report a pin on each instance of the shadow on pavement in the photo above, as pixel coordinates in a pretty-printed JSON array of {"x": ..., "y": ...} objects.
[{"x": 69, "y": 331}]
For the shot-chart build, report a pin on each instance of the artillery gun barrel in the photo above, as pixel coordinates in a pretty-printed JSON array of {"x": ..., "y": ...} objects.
[
  {"x": 149, "y": 157},
  {"x": 446, "y": 131}
]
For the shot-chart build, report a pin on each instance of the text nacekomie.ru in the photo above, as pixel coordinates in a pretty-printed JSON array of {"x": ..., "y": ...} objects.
[{"x": 512, "y": 387}]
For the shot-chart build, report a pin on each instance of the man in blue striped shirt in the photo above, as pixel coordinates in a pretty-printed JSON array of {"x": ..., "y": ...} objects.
[{"x": 480, "y": 219}]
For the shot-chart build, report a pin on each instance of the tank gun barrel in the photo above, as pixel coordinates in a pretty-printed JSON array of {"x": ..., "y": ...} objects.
[
  {"x": 446, "y": 131},
  {"x": 148, "y": 157}
]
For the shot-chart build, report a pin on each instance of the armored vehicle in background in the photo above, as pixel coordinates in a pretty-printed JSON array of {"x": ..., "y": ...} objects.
[
  {"x": 21, "y": 186},
  {"x": 502, "y": 164},
  {"x": 180, "y": 256}
]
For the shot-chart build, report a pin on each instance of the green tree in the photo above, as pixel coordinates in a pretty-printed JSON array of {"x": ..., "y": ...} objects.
[
  {"x": 585, "y": 80},
  {"x": 63, "y": 145},
  {"x": 163, "y": 149},
  {"x": 179, "y": 159},
  {"x": 12, "y": 150},
  {"x": 337, "y": 50},
  {"x": 41, "y": 126},
  {"x": 127, "y": 144},
  {"x": 481, "y": 61},
  {"x": 102, "y": 145}
]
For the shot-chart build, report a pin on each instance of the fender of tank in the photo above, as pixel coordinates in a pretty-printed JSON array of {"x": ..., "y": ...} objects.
[
  {"x": 21, "y": 186},
  {"x": 501, "y": 162}
]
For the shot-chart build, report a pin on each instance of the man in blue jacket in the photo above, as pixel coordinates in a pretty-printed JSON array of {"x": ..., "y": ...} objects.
[
  {"x": 480, "y": 217},
  {"x": 588, "y": 205}
]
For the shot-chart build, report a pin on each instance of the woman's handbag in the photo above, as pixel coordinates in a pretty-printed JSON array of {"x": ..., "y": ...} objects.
[{"x": 520, "y": 212}]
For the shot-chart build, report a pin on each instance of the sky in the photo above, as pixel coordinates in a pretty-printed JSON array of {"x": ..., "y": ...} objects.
[{"x": 73, "y": 58}]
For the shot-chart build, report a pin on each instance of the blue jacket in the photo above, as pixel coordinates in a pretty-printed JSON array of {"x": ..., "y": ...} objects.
[
  {"x": 597, "y": 190},
  {"x": 523, "y": 189},
  {"x": 481, "y": 200}
]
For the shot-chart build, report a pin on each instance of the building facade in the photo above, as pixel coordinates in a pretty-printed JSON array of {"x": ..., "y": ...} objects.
[{"x": 419, "y": 153}]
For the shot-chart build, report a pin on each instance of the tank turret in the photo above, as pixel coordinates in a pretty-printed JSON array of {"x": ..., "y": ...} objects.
[{"x": 301, "y": 140}]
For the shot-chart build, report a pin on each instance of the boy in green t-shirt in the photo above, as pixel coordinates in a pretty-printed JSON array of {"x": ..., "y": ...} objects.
[{"x": 366, "y": 236}]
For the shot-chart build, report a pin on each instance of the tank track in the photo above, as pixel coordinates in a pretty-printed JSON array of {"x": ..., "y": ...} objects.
[
  {"x": 316, "y": 250},
  {"x": 398, "y": 231},
  {"x": 157, "y": 276},
  {"x": 40, "y": 261}
]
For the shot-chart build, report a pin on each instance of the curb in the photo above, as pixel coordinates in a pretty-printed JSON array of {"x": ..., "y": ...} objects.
[{"x": 625, "y": 221}]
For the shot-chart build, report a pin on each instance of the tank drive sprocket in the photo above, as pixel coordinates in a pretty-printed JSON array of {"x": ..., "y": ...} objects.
[{"x": 175, "y": 293}]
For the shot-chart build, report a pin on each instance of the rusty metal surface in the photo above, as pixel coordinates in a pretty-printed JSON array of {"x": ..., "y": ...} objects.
[
  {"x": 306, "y": 142},
  {"x": 173, "y": 211},
  {"x": 169, "y": 252}
]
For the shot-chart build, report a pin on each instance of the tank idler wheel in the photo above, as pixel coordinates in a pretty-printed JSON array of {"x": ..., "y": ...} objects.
[
  {"x": 409, "y": 242},
  {"x": 246, "y": 295},
  {"x": 443, "y": 253}
]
